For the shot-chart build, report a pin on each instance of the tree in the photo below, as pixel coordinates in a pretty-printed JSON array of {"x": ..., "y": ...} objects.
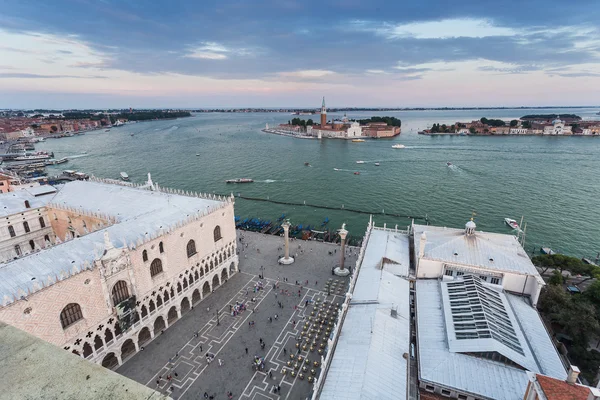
[
  {"x": 514, "y": 123},
  {"x": 526, "y": 124},
  {"x": 484, "y": 120},
  {"x": 556, "y": 279},
  {"x": 53, "y": 128},
  {"x": 310, "y": 122},
  {"x": 472, "y": 130},
  {"x": 444, "y": 128}
]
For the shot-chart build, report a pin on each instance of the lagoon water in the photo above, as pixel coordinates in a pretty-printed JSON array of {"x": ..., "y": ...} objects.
[{"x": 553, "y": 182}]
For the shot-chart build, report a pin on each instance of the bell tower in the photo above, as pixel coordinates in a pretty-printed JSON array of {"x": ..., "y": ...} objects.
[{"x": 323, "y": 114}]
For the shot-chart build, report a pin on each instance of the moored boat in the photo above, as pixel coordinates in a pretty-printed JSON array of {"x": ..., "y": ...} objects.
[
  {"x": 33, "y": 157},
  {"x": 512, "y": 223},
  {"x": 358, "y": 140},
  {"x": 124, "y": 176},
  {"x": 240, "y": 180},
  {"x": 547, "y": 250}
]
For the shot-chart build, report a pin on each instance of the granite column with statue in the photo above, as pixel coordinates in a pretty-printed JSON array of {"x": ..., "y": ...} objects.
[
  {"x": 286, "y": 259},
  {"x": 341, "y": 270}
]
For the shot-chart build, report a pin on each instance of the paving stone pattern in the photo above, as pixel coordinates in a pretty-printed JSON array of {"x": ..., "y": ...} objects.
[{"x": 182, "y": 348}]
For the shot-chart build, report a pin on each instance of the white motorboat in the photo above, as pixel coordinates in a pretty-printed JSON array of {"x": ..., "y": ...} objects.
[
  {"x": 377, "y": 164},
  {"x": 124, "y": 176},
  {"x": 336, "y": 169},
  {"x": 360, "y": 162},
  {"x": 398, "y": 146},
  {"x": 512, "y": 223}
]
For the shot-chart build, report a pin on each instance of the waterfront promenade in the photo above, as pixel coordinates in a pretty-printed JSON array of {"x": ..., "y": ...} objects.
[
  {"x": 179, "y": 351},
  {"x": 288, "y": 134}
]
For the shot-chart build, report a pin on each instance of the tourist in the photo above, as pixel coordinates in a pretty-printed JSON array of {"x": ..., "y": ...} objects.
[
  {"x": 278, "y": 389},
  {"x": 246, "y": 351},
  {"x": 284, "y": 351},
  {"x": 220, "y": 362},
  {"x": 205, "y": 395}
]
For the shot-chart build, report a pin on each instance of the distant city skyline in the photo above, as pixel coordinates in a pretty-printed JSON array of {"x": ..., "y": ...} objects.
[{"x": 287, "y": 53}]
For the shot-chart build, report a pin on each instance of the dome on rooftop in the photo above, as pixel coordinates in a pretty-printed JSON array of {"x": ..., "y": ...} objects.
[{"x": 470, "y": 224}]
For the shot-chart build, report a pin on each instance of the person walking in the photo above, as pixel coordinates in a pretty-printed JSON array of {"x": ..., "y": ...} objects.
[{"x": 246, "y": 351}]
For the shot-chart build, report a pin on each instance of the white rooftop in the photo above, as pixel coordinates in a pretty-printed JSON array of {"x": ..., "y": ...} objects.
[
  {"x": 442, "y": 362},
  {"x": 492, "y": 251},
  {"x": 14, "y": 202},
  {"x": 369, "y": 362},
  {"x": 140, "y": 214}
]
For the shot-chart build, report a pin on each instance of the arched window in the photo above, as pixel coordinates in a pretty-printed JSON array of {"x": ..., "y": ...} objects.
[
  {"x": 18, "y": 249},
  {"x": 191, "y": 248},
  {"x": 120, "y": 292},
  {"x": 70, "y": 314},
  {"x": 156, "y": 267},
  {"x": 42, "y": 222},
  {"x": 11, "y": 230},
  {"x": 46, "y": 238},
  {"x": 32, "y": 244},
  {"x": 26, "y": 226},
  {"x": 161, "y": 247},
  {"x": 145, "y": 255},
  {"x": 217, "y": 233}
]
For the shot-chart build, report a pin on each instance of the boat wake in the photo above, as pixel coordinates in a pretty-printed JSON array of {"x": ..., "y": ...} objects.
[
  {"x": 268, "y": 181},
  {"x": 77, "y": 156}
]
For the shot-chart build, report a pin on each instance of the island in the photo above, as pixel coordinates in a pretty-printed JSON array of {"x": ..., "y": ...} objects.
[{"x": 541, "y": 124}]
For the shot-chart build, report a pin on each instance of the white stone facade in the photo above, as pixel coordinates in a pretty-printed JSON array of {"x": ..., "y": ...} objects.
[
  {"x": 24, "y": 233},
  {"x": 162, "y": 277}
]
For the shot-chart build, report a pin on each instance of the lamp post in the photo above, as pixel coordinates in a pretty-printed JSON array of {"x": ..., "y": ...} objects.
[
  {"x": 286, "y": 259},
  {"x": 218, "y": 321},
  {"x": 262, "y": 272},
  {"x": 341, "y": 270}
]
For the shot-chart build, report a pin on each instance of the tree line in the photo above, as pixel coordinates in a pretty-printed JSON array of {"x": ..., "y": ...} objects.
[
  {"x": 575, "y": 315},
  {"x": 391, "y": 121}
]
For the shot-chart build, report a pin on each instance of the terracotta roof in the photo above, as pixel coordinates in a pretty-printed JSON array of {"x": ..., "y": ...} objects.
[{"x": 555, "y": 389}]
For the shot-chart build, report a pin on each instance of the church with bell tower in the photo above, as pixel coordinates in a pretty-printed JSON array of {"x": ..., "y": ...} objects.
[{"x": 323, "y": 113}]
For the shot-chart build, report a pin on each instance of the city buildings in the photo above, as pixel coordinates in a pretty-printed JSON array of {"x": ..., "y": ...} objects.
[
  {"x": 437, "y": 312},
  {"x": 99, "y": 268}
]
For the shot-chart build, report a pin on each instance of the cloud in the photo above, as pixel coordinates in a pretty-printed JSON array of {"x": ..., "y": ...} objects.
[
  {"x": 22, "y": 75},
  {"x": 437, "y": 29},
  {"x": 307, "y": 74}
]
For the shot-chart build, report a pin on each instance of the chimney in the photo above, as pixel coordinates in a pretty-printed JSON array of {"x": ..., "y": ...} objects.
[
  {"x": 27, "y": 204},
  {"x": 572, "y": 375}
]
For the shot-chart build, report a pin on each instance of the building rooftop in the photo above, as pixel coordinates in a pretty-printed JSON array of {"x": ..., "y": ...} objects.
[
  {"x": 29, "y": 371},
  {"x": 473, "y": 366},
  {"x": 493, "y": 251},
  {"x": 555, "y": 389},
  {"x": 14, "y": 202},
  {"x": 372, "y": 354},
  {"x": 139, "y": 214}
]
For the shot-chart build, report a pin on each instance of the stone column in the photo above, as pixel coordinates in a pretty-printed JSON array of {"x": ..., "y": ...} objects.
[
  {"x": 341, "y": 270},
  {"x": 286, "y": 259}
]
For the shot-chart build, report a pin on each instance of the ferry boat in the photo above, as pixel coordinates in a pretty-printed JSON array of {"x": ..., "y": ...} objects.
[
  {"x": 124, "y": 176},
  {"x": 358, "y": 140},
  {"x": 240, "y": 180},
  {"x": 32, "y": 158},
  {"x": 512, "y": 223},
  {"x": 56, "y": 162},
  {"x": 398, "y": 146},
  {"x": 360, "y": 162}
]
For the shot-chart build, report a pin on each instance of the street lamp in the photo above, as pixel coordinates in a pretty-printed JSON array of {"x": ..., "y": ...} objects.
[
  {"x": 218, "y": 322},
  {"x": 262, "y": 272}
]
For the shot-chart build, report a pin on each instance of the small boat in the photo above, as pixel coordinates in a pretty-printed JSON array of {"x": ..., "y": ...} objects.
[
  {"x": 398, "y": 146},
  {"x": 132, "y": 134},
  {"x": 197, "y": 154},
  {"x": 588, "y": 261},
  {"x": 124, "y": 176},
  {"x": 336, "y": 169},
  {"x": 240, "y": 180},
  {"x": 357, "y": 173},
  {"x": 107, "y": 130},
  {"x": 358, "y": 140},
  {"x": 56, "y": 162},
  {"x": 547, "y": 250},
  {"x": 377, "y": 164},
  {"x": 449, "y": 164},
  {"x": 512, "y": 223},
  {"x": 307, "y": 164},
  {"x": 360, "y": 162}
]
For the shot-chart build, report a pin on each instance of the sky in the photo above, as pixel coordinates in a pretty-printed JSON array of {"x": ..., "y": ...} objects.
[{"x": 288, "y": 53}]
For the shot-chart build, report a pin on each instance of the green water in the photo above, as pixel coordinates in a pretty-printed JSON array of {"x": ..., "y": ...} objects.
[{"x": 552, "y": 182}]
